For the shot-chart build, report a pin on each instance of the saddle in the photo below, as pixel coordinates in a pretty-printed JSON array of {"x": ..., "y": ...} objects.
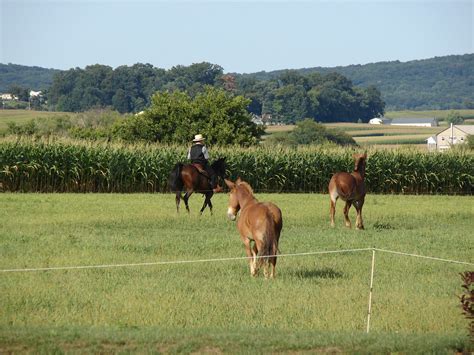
[{"x": 201, "y": 170}]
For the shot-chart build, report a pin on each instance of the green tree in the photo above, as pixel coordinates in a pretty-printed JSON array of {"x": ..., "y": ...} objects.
[
  {"x": 290, "y": 103},
  {"x": 309, "y": 132},
  {"x": 174, "y": 117},
  {"x": 121, "y": 101},
  {"x": 454, "y": 117}
]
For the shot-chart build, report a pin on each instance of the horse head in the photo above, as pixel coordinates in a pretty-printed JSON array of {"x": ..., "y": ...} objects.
[
  {"x": 219, "y": 167},
  {"x": 240, "y": 193},
  {"x": 360, "y": 161},
  {"x": 234, "y": 205}
]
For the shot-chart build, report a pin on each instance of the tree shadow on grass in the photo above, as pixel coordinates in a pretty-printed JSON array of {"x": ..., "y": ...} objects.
[{"x": 325, "y": 273}]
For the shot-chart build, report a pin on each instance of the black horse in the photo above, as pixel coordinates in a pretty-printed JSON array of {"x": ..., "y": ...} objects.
[{"x": 193, "y": 178}]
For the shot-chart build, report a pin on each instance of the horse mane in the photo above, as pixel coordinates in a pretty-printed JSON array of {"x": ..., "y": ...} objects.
[
  {"x": 360, "y": 162},
  {"x": 246, "y": 187},
  {"x": 219, "y": 166}
]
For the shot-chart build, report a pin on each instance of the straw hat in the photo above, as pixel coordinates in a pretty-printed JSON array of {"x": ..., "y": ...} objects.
[{"x": 198, "y": 138}]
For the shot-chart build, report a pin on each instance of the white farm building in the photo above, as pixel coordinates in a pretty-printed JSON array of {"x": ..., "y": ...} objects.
[
  {"x": 456, "y": 134},
  {"x": 378, "y": 120},
  {"x": 406, "y": 121},
  {"x": 416, "y": 122}
]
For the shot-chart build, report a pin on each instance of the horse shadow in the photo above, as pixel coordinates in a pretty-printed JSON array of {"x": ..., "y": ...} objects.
[{"x": 325, "y": 273}]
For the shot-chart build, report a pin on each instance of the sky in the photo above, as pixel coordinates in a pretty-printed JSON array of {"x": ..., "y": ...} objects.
[{"x": 241, "y": 36}]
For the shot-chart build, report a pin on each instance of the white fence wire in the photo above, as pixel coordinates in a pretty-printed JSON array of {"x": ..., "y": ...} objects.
[{"x": 176, "y": 262}]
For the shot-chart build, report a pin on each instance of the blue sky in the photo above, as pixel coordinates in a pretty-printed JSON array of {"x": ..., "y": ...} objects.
[{"x": 241, "y": 36}]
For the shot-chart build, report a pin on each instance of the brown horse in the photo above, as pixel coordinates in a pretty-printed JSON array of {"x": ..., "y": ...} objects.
[
  {"x": 191, "y": 179},
  {"x": 260, "y": 224},
  {"x": 350, "y": 188}
]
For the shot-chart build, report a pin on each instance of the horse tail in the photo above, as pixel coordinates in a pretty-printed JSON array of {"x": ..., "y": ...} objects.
[
  {"x": 270, "y": 243},
  {"x": 175, "y": 182}
]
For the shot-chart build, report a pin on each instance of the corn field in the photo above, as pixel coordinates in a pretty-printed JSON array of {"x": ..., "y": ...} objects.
[{"x": 73, "y": 166}]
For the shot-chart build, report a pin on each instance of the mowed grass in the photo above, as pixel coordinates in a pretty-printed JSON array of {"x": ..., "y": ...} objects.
[{"x": 316, "y": 303}]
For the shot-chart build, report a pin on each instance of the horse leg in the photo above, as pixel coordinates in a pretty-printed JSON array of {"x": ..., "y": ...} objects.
[
  {"x": 250, "y": 255},
  {"x": 253, "y": 264},
  {"x": 332, "y": 208},
  {"x": 346, "y": 214},
  {"x": 178, "y": 200},
  {"x": 259, "y": 252},
  {"x": 358, "y": 205},
  {"x": 266, "y": 263},
  {"x": 186, "y": 197},
  {"x": 203, "y": 206},
  {"x": 207, "y": 202},
  {"x": 273, "y": 260},
  {"x": 266, "y": 269}
]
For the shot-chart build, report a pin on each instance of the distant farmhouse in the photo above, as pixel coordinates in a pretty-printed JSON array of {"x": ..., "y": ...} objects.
[
  {"x": 380, "y": 120},
  {"x": 34, "y": 97},
  {"x": 11, "y": 97},
  {"x": 35, "y": 93},
  {"x": 406, "y": 121},
  {"x": 417, "y": 122},
  {"x": 257, "y": 119},
  {"x": 450, "y": 136},
  {"x": 8, "y": 97},
  {"x": 264, "y": 119}
]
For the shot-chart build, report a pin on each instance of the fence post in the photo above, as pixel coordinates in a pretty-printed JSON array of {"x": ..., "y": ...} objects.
[{"x": 370, "y": 292}]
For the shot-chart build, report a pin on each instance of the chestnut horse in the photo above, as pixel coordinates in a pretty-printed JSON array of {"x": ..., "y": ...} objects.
[
  {"x": 187, "y": 177},
  {"x": 259, "y": 225},
  {"x": 350, "y": 188}
]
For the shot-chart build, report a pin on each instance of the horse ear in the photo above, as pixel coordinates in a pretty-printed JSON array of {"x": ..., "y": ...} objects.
[
  {"x": 238, "y": 181},
  {"x": 229, "y": 184},
  {"x": 365, "y": 155}
]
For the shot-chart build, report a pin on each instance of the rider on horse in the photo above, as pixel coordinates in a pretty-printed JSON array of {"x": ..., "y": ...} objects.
[{"x": 198, "y": 154}]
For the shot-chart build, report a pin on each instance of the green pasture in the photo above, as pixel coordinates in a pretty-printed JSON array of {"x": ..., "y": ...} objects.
[
  {"x": 363, "y": 133},
  {"x": 366, "y": 134},
  {"x": 439, "y": 114},
  {"x": 392, "y": 139},
  {"x": 394, "y": 131},
  {"x": 316, "y": 303},
  {"x": 23, "y": 116}
]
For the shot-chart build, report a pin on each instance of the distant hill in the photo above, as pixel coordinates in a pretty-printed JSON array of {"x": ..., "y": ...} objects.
[
  {"x": 34, "y": 78},
  {"x": 430, "y": 84},
  {"x": 437, "y": 83}
]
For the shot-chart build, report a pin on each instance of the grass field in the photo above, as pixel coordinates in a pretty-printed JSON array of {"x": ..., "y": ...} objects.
[
  {"x": 316, "y": 303},
  {"x": 439, "y": 114},
  {"x": 366, "y": 134},
  {"x": 391, "y": 139},
  {"x": 363, "y": 134},
  {"x": 22, "y": 116},
  {"x": 383, "y": 136}
]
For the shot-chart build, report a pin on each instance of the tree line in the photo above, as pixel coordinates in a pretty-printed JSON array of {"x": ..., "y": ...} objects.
[
  {"x": 174, "y": 117},
  {"x": 288, "y": 98},
  {"x": 436, "y": 83}
]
